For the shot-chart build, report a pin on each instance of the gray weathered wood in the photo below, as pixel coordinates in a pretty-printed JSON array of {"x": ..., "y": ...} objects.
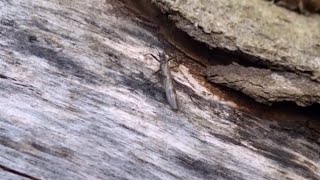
[{"x": 73, "y": 105}]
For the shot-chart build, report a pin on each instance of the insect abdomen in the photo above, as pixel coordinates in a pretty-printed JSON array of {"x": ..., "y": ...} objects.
[{"x": 168, "y": 85}]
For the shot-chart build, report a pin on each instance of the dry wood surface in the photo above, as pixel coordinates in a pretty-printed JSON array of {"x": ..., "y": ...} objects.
[{"x": 76, "y": 102}]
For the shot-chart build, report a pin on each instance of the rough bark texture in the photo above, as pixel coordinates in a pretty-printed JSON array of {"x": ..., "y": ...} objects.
[
  {"x": 266, "y": 86},
  {"x": 257, "y": 29},
  {"x": 254, "y": 31},
  {"x": 74, "y": 105}
]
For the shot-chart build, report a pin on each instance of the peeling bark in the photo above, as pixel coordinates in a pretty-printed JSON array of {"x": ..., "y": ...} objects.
[
  {"x": 256, "y": 32},
  {"x": 76, "y": 102},
  {"x": 266, "y": 86}
]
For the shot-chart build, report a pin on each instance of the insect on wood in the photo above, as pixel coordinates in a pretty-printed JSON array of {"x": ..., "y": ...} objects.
[{"x": 167, "y": 79}]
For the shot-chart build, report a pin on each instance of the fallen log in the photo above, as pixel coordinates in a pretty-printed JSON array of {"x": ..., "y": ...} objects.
[{"x": 76, "y": 102}]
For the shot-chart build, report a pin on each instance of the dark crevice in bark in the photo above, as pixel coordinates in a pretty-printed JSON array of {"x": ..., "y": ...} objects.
[{"x": 200, "y": 52}]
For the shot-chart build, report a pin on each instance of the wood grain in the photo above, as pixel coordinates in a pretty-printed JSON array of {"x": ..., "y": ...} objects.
[{"x": 72, "y": 106}]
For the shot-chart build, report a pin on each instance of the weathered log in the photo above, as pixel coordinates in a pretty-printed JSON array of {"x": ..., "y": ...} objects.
[{"x": 74, "y": 105}]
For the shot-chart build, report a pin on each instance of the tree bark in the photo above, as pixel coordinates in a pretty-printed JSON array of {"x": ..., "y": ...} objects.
[
  {"x": 259, "y": 34},
  {"x": 76, "y": 102}
]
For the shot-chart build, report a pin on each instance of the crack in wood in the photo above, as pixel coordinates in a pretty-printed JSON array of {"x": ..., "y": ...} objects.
[{"x": 7, "y": 169}]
